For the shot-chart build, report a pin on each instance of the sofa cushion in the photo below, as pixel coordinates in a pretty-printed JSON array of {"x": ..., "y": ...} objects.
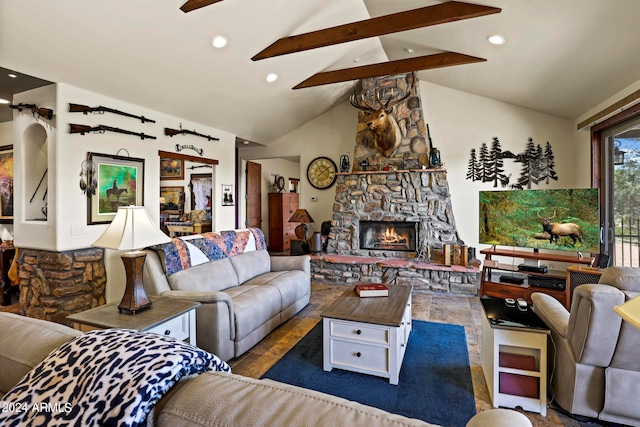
[
  {"x": 25, "y": 342},
  {"x": 253, "y": 305},
  {"x": 251, "y": 264},
  {"x": 210, "y": 276},
  {"x": 106, "y": 377},
  {"x": 287, "y": 283}
]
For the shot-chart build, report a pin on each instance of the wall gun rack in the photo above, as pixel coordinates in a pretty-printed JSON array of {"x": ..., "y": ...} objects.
[
  {"x": 84, "y": 109},
  {"x": 172, "y": 132},
  {"x": 82, "y": 129}
]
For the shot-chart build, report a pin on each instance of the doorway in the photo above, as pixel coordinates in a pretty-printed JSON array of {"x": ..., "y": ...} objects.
[{"x": 620, "y": 188}]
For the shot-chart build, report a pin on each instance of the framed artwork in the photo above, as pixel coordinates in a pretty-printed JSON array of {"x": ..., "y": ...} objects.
[
  {"x": 171, "y": 168},
  {"x": 120, "y": 183},
  {"x": 173, "y": 198},
  {"x": 6, "y": 184}
]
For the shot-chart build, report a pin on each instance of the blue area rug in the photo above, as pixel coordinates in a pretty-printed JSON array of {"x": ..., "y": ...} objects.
[{"x": 435, "y": 380}]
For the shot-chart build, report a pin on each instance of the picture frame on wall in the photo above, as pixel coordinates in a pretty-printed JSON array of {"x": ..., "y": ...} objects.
[
  {"x": 171, "y": 168},
  {"x": 120, "y": 182},
  {"x": 173, "y": 197},
  {"x": 6, "y": 184}
]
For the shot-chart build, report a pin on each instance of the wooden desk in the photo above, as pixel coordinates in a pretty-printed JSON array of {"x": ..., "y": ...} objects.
[
  {"x": 7, "y": 252},
  {"x": 187, "y": 228}
]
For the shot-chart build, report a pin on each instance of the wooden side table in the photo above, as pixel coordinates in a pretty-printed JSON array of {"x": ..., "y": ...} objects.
[
  {"x": 168, "y": 316},
  {"x": 514, "y": 356}
]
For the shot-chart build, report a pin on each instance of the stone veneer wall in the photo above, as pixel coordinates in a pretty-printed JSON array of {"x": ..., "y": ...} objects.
[
  {"x": 422, "y": 196},
  {"x": 54, "y": 285}
]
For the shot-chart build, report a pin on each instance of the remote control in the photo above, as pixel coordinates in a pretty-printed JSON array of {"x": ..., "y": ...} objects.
[
  {"x": 522, "y": 304},
  {"x": 510, "y": 302}
]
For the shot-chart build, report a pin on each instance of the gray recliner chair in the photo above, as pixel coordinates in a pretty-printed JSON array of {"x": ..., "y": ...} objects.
[{"x": 595, "y": 356}]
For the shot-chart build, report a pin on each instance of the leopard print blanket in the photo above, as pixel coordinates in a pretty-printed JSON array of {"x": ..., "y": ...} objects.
[{"x": 109, "y": 377}]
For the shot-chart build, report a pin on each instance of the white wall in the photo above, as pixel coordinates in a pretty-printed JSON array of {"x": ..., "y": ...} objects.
[
  {"x": 331, "y": 135},
  {"x": 67, "y": 202},
  {"x": 461, "y": 121},
  {"x": 458, "y": 122}
]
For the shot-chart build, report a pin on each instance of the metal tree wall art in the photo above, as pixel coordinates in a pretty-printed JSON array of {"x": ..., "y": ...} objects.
[{"x": 487, "y": 165}]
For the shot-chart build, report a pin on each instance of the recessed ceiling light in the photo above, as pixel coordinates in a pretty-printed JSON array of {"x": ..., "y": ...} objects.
[
  {"x": 4, "y": 101},
  {"x": 272, "y": 77},
  {"x": 355, "y": 61},
  {"x": 496, "y": 39},
  {"x": 408, "y": 50},
  {"x": 219, "y": 41},
  {"x": 246, "y": 142},
  {"x": 13, "y": 76}
]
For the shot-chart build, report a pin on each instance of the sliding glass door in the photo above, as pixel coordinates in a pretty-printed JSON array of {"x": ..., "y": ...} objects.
[{"x": 620, "y": 187}]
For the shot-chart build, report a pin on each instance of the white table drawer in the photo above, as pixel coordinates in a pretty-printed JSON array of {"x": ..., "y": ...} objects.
[
  {"x": 362, "y": 356},
  {"x": 178, "y": 327},
  {"x": 360, "y": 332}
]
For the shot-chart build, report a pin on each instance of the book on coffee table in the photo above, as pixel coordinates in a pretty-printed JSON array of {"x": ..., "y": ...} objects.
[{"x": 365, "y": 290}]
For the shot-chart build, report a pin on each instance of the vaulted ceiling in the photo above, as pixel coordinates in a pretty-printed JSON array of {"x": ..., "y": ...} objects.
[{"x": 560, "y": 57}]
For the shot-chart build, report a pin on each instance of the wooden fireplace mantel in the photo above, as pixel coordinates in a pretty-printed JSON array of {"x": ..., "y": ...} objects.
[{"x": 432, "y": 170}]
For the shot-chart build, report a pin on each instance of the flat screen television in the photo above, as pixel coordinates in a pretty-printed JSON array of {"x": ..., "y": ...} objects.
[{"x": 567, "y": 219}]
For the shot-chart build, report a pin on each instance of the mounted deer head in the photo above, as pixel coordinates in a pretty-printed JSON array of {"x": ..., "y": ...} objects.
[{"x": 384, "y": 133}]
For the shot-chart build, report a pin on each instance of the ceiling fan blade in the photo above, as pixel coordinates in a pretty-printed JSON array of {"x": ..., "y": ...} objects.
[
  {"x": 402, "y": 21},
  {"x": 438, "y": 60},
  {"x": 196, "y": 4}
]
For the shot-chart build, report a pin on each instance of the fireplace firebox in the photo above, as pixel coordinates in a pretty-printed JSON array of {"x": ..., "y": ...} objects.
[{"x": 389, "y": 235}]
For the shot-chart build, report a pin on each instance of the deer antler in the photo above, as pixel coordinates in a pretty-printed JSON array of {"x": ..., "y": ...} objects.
[
  {"x": 388, "y": 105},
  {"x": 542, "y": 217},
  {"x": 353, "y": 99}
]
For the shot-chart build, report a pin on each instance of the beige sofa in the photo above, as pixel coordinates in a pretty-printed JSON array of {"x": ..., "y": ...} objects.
[
  {"x": 243, "y": 296},
  {"x": 594, "y": 360},
  {"x": 210, "y": 399},
  {"x": 216, "y": 398}
]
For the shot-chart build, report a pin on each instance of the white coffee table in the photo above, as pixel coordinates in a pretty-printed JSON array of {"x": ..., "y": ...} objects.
[{"x": 367, "y": 335}]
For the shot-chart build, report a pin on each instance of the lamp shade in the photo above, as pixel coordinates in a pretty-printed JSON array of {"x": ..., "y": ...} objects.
[
  {"x": 132, "y": 228},
  {"x": 630, "y": 311},
  {"x": 301, "y": 215}
]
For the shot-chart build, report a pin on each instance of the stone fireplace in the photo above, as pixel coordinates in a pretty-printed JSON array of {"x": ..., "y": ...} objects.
[
  {"x": 409, "y": 200},
  {"x": 392, "y": 213}
]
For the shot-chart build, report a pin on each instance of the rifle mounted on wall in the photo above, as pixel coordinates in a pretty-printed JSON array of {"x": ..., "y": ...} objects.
[
  {"x": 173, "y": 132},
  {"x": 42, "y": 112},
  {"x": 84, "y": 109},
  {"x": 82, "y": 129}
]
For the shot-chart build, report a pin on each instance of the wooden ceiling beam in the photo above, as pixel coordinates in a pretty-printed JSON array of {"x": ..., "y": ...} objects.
[
  {"x": 394, "y": 23},
  {"x": 196, "y": 4},
  {"x": 438, "y": 60}
]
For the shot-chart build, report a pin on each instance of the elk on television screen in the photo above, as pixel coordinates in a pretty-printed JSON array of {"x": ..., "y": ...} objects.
[{"x": 567, "y": 219}]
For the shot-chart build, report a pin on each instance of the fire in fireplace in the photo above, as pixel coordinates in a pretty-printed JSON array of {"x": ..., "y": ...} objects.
[{"x": 389, "y": 235}]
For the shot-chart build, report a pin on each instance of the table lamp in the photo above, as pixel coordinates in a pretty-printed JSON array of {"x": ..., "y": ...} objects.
[
  {"x": 630, "y": 311},
  {"x": 303, "y": 217},
  {"x": 131, "y": 230}
]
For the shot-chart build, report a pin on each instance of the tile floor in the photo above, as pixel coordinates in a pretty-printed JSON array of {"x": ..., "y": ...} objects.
[{"x": 432, "y": 307}]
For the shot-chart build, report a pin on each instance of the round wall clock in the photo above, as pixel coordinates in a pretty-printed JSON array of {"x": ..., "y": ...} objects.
[{"x": 321, "y": 172}]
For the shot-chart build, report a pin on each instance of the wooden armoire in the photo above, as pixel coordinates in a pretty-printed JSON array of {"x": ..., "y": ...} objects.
[{"x": 281, "y": 231}]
